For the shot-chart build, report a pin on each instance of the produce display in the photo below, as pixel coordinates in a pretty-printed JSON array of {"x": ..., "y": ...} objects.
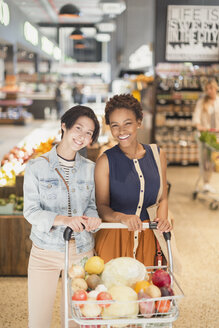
[
  {"x": 121, "y": 288},
  {"x": 13, "y": 163},
  {"x": 11, "y": 204},
  {"x": 210, "y": 138}
]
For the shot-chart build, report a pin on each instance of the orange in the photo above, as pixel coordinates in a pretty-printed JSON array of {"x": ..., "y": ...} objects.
[
  {"x": 162, "y": 306},
  {"x": 143, "y": 284}
]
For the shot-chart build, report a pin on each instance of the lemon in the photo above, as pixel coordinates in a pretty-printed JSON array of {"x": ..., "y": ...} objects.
[
  {"x": 94, "y": 265},
  {"x": 141, "y": 285}
]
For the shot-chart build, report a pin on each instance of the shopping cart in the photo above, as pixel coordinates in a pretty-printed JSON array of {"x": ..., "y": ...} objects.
[
  {"x": 208, "y": 157},
  {"x": 157, "y": 318}
]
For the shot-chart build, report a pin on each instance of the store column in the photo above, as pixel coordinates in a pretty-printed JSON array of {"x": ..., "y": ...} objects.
[
  {"x": 36, "y": 62},
  {"x": 11, "y": 63}
]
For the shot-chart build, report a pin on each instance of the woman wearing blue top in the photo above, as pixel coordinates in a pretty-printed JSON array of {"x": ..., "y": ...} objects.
[
  {"x": 130, "y": 181},
  {"x": 58, "y": 192}
]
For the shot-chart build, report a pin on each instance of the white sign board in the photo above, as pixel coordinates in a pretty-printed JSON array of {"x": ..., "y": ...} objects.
[
  {"x": 142, "y": 57},
  {"x": 192, "y": 33}
]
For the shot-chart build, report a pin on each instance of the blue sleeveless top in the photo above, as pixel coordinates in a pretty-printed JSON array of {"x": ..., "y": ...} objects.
[{"x": 130, "y": 179}]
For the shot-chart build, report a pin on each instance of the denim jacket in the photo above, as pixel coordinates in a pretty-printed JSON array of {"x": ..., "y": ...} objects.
[{"x": 46, "y": 196}]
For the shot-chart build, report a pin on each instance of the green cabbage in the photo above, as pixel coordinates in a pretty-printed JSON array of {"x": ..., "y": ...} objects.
[{"x": 123, "y": 271}]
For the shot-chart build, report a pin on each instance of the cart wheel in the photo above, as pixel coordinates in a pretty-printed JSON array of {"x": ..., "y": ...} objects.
[
  {"x": 213, "y": 206},
  {"x": 194, "y": 195}
]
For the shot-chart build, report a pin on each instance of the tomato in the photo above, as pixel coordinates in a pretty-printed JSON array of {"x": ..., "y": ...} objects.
[
  {"x": 162, "y": 306},
  {"x": 80, "y": 295},
  {"x": 104, "y": 296}
]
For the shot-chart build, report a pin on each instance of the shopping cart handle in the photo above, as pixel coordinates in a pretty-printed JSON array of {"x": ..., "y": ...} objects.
[
  {"x": 167, "y": 235},
  {"x": 152, "y": 225},
  {"x": 146, "y": 225},
  {"x": 67, "y": 233},
  {"x": 107, "y": 225}
]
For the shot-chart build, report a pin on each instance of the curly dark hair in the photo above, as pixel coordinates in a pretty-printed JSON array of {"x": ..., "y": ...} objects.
[
  {"x": 71, "y": 116},
  {"x": 123, "y": 101}
]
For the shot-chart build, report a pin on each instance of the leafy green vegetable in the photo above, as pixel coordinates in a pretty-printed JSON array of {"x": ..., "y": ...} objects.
[{"x": 210, "y": 139}]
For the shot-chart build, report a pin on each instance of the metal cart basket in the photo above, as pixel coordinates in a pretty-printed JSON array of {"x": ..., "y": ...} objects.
[
  {"x": 208, "y": 156},
  {"x": 162, "y": 315}
]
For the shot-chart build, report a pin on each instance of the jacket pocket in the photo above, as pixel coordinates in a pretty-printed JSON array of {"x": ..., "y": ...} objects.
[
  {"x": 48, "y": 188},
  {"x": 84, "y": 188}
]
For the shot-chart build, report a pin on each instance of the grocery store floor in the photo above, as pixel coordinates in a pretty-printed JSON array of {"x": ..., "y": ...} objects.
[{"x": 196, "y": 228}]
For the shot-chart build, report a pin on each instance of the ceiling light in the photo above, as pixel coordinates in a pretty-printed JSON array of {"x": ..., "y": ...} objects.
[
  {"x": 89, "y": 32},
  {"x": 69, "y": 10},
  {"x": 103, "y": 37},
  {"x": 76, "y": 35},
  {"x": 112, "y": 7},
  {"x": 106, "y": 27},
  {"x": 79, "y": 45}
]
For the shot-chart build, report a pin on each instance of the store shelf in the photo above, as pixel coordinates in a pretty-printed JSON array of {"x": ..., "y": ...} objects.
[
  {"x": 17, "y": 102},
  {"x": 19, "y": 121},
  {"x": 176, "y": 94}
]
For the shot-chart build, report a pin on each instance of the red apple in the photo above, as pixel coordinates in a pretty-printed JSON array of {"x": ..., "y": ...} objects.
[{"x": 161, "y": 278}]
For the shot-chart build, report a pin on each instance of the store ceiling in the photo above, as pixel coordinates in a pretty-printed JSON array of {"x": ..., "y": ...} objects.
[{"x": 46, "y": 12}]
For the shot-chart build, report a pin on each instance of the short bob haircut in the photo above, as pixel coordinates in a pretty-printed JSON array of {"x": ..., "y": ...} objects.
[
  {"x": 126, "y": 101},
  {"x": 71, "y": 116}
]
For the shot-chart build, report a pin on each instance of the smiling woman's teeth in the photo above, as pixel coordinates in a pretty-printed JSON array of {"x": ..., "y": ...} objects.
[
  {"x": 78, "y": 143},
  {"x": 124, "y": 137}
]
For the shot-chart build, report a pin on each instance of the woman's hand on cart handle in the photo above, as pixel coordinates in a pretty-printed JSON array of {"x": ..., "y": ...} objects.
[
  {"x": 163, "y": 225},
  {"x": 132, "y": 222},
  {"x": 92, "y": 223}
]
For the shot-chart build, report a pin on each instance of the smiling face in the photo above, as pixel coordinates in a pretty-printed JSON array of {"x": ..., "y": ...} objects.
[
  {"x": 123, "y": 126},
  {"x": 80, "y": 134}
]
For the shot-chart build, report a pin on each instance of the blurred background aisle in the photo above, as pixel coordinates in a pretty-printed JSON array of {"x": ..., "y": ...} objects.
[{"x": 55, "y": 54}]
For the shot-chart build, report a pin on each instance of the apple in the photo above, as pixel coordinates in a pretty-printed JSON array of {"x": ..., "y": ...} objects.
[
  {"x": 161, "y": 278},
  {"x": 166, "y": 291},
  {"x": 147, "y": 306}
]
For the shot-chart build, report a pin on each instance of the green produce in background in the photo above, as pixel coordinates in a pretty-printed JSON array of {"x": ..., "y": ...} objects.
[
  {"x": 210, "y": 139},
  {"x": 18, "y": 202},
  {"x": 2, "y": 202}
]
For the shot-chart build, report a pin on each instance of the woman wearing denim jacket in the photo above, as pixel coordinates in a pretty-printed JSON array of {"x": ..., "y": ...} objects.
[{"x": 58, "y": 192}]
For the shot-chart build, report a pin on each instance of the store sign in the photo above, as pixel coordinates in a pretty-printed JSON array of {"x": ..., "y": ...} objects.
[
  {"x": 57, "y": 53},
  {"x": 4, "y": 13},
  {"x": 31, "y": 33},
  {"x": 47, "y": 45},
  {"x": 142, "y": 57},
  {"x": 49, "y": 48},
  {"x": 192, "y": 33}
]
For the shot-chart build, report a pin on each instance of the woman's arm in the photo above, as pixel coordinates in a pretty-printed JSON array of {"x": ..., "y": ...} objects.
[
  {"x": 102, "y": 186},
  {"x": 33, "y": 211},
  {"x": 196, "y": 119},
  {"x": 162, "y": 211}
]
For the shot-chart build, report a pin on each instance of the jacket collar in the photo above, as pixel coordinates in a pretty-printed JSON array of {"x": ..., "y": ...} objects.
[{"x": 54, "y": 161}]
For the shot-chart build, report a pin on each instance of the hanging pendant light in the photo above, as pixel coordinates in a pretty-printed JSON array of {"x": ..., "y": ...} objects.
[
  {"x": 79, "y": 45},
  {"x": 69, "y": 11},
  {"x": 76, "y": 35}
]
